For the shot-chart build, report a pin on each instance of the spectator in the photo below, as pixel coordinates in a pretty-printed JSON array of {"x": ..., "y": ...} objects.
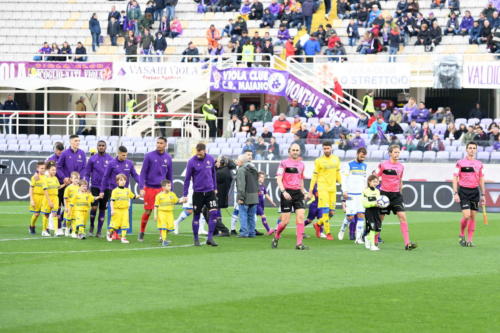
[
  {"x": 253, "y": 115},
  {"x": 54, "y": 49},
  {"x": 235, "y": 109},
  {"x": 80, "y": 52},
  {"x": 494, "y": 20},
  {"x": 331, "y": 44},
  {"x": 213, "y": 36},
  {"x": 486, "y": 34},
  {"x": 394, "y": 141},
  {"x": 290, "y": 49},
  {"x": 228, "y": 29},
  {"x": 297, "y": 19},
  {"x": 282, "y": 125},
  {"x": 300, "y": 142},
  {"x": 328, "y": 133},
  {"x": 410, "y": 144},
  {"x": 175, "y": 28},
  {"x": 9, "y": 105},
  {"x": 425, "y": 130},
  {"x": 150, "y": 9},
  {"x": 296, "y": 125},
  {"x": 493, "y": 135},
  {"x": 247, "y": 196},
  {"x": 158, "y": 9},
  {"x": 424, "y": 143},
  {"x": 246, "y": 124},
  {"x": 170, "y": 8},
  {"x": 248, "y": 146},
  {"x": 409, "y": 108},
  {"x": 489, "y": 10},
  {"x": 452, "y": 26},
  {"x": 421, "y": 114},
  {"x": 424, "y": 38},
  {"x": 311, "y": 48},
  {"x": 302, "y": 133},
  {"x": 113, "y": 30},
  {"x": 321, "y": 35},
  {"x": 357, "y": 141},
  {"x": 267, "y": 116},
  {"x": 385, "y": 112},
  {"x": 438, "y": 116},
  {"x": 396, "y": 116},
  {"x": 374, "y": 13},
  {"x": 394, "y": 40},
  {"x": 164, "y": 27},
  {"x": 454, "y": 6},
  {"x": 362, "y": 122},
  {"x": 283, "y": 35},
  {"x": 256, "y": 11},
  {"x": 338, "y": 95},
  {"x": 394, "y": 128},
  {"x": 245, "y": 9},
  {"x": 308, "y": 110},
  {"x": 308, "y": 11},
  {"x": 268, "y": 51},
  {"x": 230, "y": 5},
  {"x": 476, "y": 112},
  {"x": 95, "y": 31},
  {"x": 66, "y": 50},
  {"x": 468, "y": 136},
  {"x": 436, "y": 144},
  {"x": 451, "y": 132},
  {"x": 191, "y": 54},
  {"x": 114, "y": 13},
  {"x": 338, "y": 129},
  {"x": 248, "y": 51},
  {"x": 413, "y": 7},
  {"x": 401, "y": 8},
  {"x": 496, "y": 145},
  {"x": 368, "y": 105},
  {"x": 448, "y": 116},
  {"x": 294, "y": 109},
  {"x": 312, "y": 137},
  {"x": 145, "y": 22},
  {"x": 267, "y": 19},
  {"x": 233, "y": 126},
  {"x": 481, "y": 137},
  {"x": 130, "y": 47},
  {"x": 266, "y": 134},
  {"x": 462, "y": 129},
  {"x": 159, "y": 45},
  {"x": 475, "y": 33},
  {"x": 45, "y": 49},
  {"x": 260, "y": 149},
  {"x": 81, "y": 109},
  {"x": 436, "y": 34},
  {"x": 210, "y": 116},
  {"x": 273, "y": 150},
  {"x": 466, "y": 24},
  {"x": 344, "y": 143},
  {"x": 321, "y": 126},
  {"x": 274, "y": 9},
  {"x": 147, "y": 45},
  {"x": 377, "y": 126},
  {"x": 133, "y": 16}
]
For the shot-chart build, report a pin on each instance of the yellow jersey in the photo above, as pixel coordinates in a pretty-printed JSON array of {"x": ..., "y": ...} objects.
[
  {"x": 165, "y": 202},
  {"x": 40, "y": 185},
  {"x": 70, "y": 192},
  {"x": 326, "y": 173},
  {"x": 121, "y": 198},
  {"x": 52, "y": 186},
  {"x": 81, "y": 202}
]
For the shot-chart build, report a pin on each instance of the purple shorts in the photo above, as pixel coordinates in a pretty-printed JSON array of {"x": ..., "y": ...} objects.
[
  {"x": 314, "y": 212},
  {"x": 260, "y": 210}
]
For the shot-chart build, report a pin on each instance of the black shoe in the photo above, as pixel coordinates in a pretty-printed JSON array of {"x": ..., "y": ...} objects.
[
  {"x": 234, "y": 233},
  {"x": 461, "y": 241},
  {"x": 32, "y": 230},
  {"x": 301, "y": 247},
  {"x": 258, "y": 233},
  {"x": 196, "y": 242},
  {"x": 211, "y": 242},
  {"x": 305, "y": 236},
  {"x": 274, "y": 243},
  {"x": 469, "y": 244},
  {"x": 411, "y": 246},
  {"x": 141, "y": 237},
  {"x": 98, "y": 235},
  {"x": 91, "y": 231}
]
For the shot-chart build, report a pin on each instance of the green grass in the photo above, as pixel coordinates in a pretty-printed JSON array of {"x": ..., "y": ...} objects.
[{"x": 62, "y": 285}]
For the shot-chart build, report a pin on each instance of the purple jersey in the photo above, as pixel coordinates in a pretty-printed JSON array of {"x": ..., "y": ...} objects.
[
  {"x": 203, "y": 173},
  {"x": 116, "y": 167},
  {"x": 156, "y": 167},
  {"x": 262, "y": 195},
  {"x": 55, "y": 158},
  {"x": 70, "y": 161},
  {"x": 95, "y": 169}
]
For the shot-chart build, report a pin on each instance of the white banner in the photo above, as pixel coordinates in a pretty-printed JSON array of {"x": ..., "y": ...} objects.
[
  {"x": 374, "y": 75},
  {"x": 481, "y": 75}
]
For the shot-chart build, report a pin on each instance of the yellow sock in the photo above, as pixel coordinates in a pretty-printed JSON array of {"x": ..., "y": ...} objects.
[
  {"x": 73, "y": 226},
  {"x": 163, "y": 234},
  {"x": 45, "y": 222},
  {"x": 326, "y": 223},
  {"x": 124, "y": 233},
  {"x": 33, "y": 220}
]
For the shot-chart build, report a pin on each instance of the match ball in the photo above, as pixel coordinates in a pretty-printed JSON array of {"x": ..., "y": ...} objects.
[{"x": 383, "y": 201}]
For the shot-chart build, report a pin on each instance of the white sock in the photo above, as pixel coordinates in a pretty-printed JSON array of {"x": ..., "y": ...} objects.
[
  {"x": 360, "y": 228},
  {"x": 202, "y": 223},
  {"x": 345, "y": 223},
  {"x": 182, "y": 216},
  {"x": 234, "y": 219}
]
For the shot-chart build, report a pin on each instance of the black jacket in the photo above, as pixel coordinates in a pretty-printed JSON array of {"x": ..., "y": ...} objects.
[
  {"x": 113, "y": 28},
  {"x": 224, "y": 180}
]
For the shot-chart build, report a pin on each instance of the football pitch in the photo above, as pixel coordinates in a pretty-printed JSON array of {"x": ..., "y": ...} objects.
[{"x": 70, "y": 285}]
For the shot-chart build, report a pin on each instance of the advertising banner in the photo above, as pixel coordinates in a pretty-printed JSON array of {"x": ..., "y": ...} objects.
[
  {"x": 364, "y": 75},
  {"x": 275, "y": 82},
  {"x": 481, "y": 75}
]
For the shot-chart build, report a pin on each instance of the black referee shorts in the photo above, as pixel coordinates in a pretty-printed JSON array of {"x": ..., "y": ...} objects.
[
  {"x": 469, "y": 198},
  {"x": 297, "y": 201},
  {"x": 102, "y": 203},
  {"x": 396, "y": 203},
  {"x": 204, "y": 199}
]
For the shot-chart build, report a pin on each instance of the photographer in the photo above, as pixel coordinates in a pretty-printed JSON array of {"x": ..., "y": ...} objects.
[{"x": 224, "y": 173}]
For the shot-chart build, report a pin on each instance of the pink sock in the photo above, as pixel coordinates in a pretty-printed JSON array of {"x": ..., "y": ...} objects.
[
  {"x": 404, "y": 231},
  {"x": 463, "y": 225},
  {"x": 376, "y": 237},
  {"x": 470, "y": 229},
  {"x": 280, "y": 229},
  {"x": 300, "y": 232}
]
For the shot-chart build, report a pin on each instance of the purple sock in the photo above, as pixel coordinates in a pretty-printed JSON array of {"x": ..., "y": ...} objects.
[
  {"x": 92, "y": 217},
  {"x": 264, "y": 223},
  {"x": 352, "y": 228},
  {"x": 212, "y": 221},
  {"x": 196, "y": 225},
  {"x": 307, "y": 222},
  {"x": 100, "y": 219}
]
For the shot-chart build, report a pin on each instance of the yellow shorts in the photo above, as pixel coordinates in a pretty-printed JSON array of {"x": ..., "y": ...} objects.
[
  {"x": 69, "y": 217},
  {"x": 327, "y": 199},
  {"x": 165, "y": 221},
  {"x": 38, "y": 200},
  {"x": 120, "y": 219},
  {"x": 46, "y": 208},
  {"x": 80, "y": 218}
]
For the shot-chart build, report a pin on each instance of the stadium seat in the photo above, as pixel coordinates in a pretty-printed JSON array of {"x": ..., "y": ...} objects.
[
  {"x": 313, "y": 153},
  {"x": 350, "y": 154},
  {"x": 483, "y": 156},
  {"x": 339, "y": 153},
  {"x": 450, "y": 148},
  {"x": 456, "y": 155},
  {"x": 226, "y": 151},
  {"x": 36, "y": 148},
  {"x": 3, "y": 147},
  {"x": 214, "y": 151},
  {"x": 236, "y": 151},
  {"x": 495, "y": 157},
  {"x": 47, "y": 148},
  {"x": 404, "y": 155},
  {"x": 44, "y": 137},
  {"x": 488, "y": 149},
  {"x": 442, "y": 156},
  {"x": 12, "y": 147},
  {"x": 241, "y": 135},
  {"x": 141, "y": 150},
  {"x": 416, "y": 156},
  {"x": 210, "y": 146},
  {"x": 429, "y": 156},
  {"x": 376, "y": 155}
]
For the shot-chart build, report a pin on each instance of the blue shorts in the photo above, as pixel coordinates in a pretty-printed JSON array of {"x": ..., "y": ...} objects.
[
  {"x": 260, "y": 210},
  {"x": 314, "y": 212}
]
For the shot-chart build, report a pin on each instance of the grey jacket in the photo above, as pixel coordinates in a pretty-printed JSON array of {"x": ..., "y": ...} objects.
[{"x": 247, "y": 184}]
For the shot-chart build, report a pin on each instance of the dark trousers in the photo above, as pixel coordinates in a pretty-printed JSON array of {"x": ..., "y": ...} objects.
[
  {"x": 328, "y": 6},
  {"x": 212, "y": 128}
]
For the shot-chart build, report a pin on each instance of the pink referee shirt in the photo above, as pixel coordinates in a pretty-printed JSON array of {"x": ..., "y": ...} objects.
[
  {"x": 468, "y": 172},
  {"x": 292, "y": 172},
  {"x": 391, "y": 174}
]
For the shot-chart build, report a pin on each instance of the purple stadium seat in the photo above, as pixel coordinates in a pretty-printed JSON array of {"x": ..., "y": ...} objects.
[
  {"x": 376, "y": 155},
  {"x": 220, "y": 140},
  {"x": 350, "y": 154},
  {"x": 450, "y": 148},
  {"x": 429, "y": 156},
  {"x": 488, "y": 149},
  {"x": 339, "y": 153},
  {"x": 37, "y": 148},
  {"x": 214, "y": 151},
  {"x": 227, "y": 151},
  {"x": 404, "y": 155},
  {"x": 230, "y": 140},
  {"x": 483, "y": 156},
  {"x": 313, "y": 153},
  {"x": 3, "y": 147},
  {"x": 495, "y": 157},
  {"x": 456, "y": 155},
  {"x": 416, "y": 156}
]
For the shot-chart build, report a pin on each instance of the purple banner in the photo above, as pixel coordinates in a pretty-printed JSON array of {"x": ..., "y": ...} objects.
[
  {"x": 55, "y": 70},
  {"x": 275, "y": 82}
]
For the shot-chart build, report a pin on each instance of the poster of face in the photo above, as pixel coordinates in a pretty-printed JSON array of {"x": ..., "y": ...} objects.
[{"x": 448, "y": 72}]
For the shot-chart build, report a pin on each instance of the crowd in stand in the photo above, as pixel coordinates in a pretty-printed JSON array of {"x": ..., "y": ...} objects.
[
  {"x": 412, "y": 127},
  {"x": 64, "y": 53}
]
